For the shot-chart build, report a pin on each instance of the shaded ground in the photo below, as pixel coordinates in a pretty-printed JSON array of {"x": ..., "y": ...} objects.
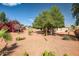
[{"x": 36, "y": 44}]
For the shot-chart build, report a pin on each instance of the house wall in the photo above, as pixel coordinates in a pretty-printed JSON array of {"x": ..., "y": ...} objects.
[{"x": 61, "y": 29}]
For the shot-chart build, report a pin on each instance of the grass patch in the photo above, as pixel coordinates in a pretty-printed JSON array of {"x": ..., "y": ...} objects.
[
  {"x": 25, "y": 54},
  {"x": 19, "y": 38},
  {"x": 30, "y": 31},
  {"x": 7, "y": 37},
  {"x": 46, "y": 53},
  {"x": 65, "y": 54}
]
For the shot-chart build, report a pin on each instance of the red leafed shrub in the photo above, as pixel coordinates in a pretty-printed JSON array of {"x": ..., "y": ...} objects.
[
  {"x": 5, "y": 27},
  {"x": 77, "y": 33},
  {"x": 1, "y": 25},
  {"x": 12, "y": 26}
]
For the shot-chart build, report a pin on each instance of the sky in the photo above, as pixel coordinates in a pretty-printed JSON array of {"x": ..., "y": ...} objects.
[{"x": 25, "y": 13}]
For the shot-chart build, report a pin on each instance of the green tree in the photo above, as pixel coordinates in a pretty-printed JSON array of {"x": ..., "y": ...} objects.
[
  {"x": 43, "y": 21},
  {"x": 57, "y": 16},
  {"x": 73, "y": 27},
  {"x": 3, "y": 17},
  {"x": 57, "y": 20},
  {"x": 37, "y": 23},
  {"x": 48, "y": 20},
  {"x": 75, "y": 12}
]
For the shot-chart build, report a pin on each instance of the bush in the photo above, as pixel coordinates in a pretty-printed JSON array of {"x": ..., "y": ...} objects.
[
  {"x": 26, "y": 54},
  {"x": 19, "y": 38},
  {"x": 51, "y": 54},
  {"x": 65, "y": 55},
  {"x": 30, "y": 31},
  {"x": 2, "y": 32},
  {"x": 7, "y": 37},
  {"x": 66, "y": 37},
  {"x": 46, "y": 53}
]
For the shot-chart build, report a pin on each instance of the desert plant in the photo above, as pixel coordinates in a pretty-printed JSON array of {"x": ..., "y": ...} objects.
[
  {"x": 25, "y": 54},
  {"x": 30, "y": 31},
  {"x": 46, "y": 53},
  {"x": 17, "y": 38},
  {"x": 6, "y": 37},
  {"x": 14, "y": 26},
  {"x": 65, "y": 55},
  {"x": 66, "y": 37},
  {"x": 2, "y": 32},
  {"x": 51, "y": 54},
  {"x": 20, "y": 38}
]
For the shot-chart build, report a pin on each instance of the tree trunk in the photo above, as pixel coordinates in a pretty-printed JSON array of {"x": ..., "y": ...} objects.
[
  {"x": 52, "y": 31},
  {"x": 42, "y": 30},
  {"x": 46, "y": 31}
]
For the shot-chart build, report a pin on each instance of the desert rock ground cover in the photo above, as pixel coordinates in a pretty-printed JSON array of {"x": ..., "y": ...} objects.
[{"x": 37, "y": 43}]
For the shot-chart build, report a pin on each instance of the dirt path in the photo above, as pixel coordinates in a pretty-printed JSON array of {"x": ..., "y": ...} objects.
[{"x": 36, "y": 44}]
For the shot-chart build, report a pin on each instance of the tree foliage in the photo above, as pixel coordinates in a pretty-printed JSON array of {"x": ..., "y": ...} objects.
[
  {"x": 50, "y": 19},
  {"x": 57, "y": 16},
  {"x": 3, "y": 17},
  {"x": 75, "y": 12}
]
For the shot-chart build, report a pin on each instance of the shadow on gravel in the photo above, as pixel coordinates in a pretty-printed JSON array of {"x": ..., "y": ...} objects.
[{"x": 6, "y": 51}]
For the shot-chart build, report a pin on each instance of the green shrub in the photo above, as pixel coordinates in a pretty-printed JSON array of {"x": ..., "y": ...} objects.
[
  {"x": 26, "y": 54},
  {"x": 51, "y": 54},
  {"x": 2, "y": 32},
  {"x": 7, "y": 37},
  {"x": 65, "y": 55},
  {"x": 19, "y": 38},
  {"x": 30, "y": 31},
  {"x": 66, "y": 37},
  {"x": 46, "y": 53}
]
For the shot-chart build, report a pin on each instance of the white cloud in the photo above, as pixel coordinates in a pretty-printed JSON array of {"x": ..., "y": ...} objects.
[
  {"x": 30, "y": 20},
  {"x": 10, "y": 4}
]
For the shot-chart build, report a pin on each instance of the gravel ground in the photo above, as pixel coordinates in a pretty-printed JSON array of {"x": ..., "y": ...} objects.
[{"x": 36, "y": 44}]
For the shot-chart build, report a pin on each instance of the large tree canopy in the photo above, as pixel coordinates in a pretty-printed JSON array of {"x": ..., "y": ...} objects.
[
  {"x": 49, "y": 19},
  {"x": 53, "y": 17},
  {"x": 75, "y": 12},
  {"x": 57, "y": 17}
]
